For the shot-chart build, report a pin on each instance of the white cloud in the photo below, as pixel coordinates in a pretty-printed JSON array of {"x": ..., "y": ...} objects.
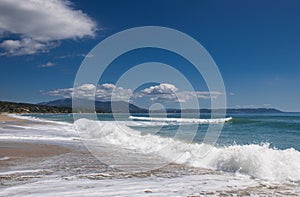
[
  {"x": 163, "y": 88},
  {"x": 158, "y": 93},
  {"x": 169, "y": 92},
  {"x": 102, "y": 92},
  {"x": 26, "y": 46},
  {"x": 187, "y": 95},
  {"x": 48, "y": 64},
  {"x": 66, "y": 93},
  {"x": 39, "y": 25},
  {"x": 105, "y": 91},
  {"x": 76, "y": 55}
]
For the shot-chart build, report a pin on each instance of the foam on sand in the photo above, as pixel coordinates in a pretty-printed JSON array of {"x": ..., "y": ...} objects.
[
  {"x": 38, "y": 130},
  {"x": 4, "y": 158},
  {"x": 153, "y": 186}
]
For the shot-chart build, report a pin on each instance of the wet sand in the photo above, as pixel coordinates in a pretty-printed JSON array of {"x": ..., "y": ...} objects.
[
  {"x": 4, "y": 118},
  {"x": 9, "y": 121},
  {"x": 11, "y": 153}
]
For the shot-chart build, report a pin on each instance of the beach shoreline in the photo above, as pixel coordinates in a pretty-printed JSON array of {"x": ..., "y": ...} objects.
[
  {"x": 16, "y": 152},
  {"x": 5, "y": 118},
  {"x": 46, "y": 158}
]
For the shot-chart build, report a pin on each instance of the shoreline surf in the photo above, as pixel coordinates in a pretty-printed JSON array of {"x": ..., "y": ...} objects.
[{"x": 78, "y": 167}]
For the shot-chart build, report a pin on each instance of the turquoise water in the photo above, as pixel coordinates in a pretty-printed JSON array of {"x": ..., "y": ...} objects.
[{"x": 281, "y": 131}]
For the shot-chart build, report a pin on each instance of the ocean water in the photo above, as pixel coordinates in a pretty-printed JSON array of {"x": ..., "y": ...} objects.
[
  {"x": 278, "y": 131},
  {"x": 255, "y": 153}
]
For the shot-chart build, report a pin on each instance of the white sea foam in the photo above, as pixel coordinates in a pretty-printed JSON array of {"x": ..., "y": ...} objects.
[
  {"x": 37, "y": 138},
  {"x": 213, "y": 185},
  {"x": 51, "y": 130},
  {"x": 146, "y": 124},
  {"x": 31, "y": 118},
  {"x": 183, "y": 120},
  {"x": 258, "y": 161},
  {"x": 4, "y": 158}
]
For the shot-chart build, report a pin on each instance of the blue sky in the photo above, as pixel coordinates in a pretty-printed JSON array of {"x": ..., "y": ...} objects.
[{"x": 256, "y": 45}]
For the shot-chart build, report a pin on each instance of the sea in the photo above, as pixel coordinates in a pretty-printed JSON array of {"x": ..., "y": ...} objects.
[{"x": 156, "y": 155}]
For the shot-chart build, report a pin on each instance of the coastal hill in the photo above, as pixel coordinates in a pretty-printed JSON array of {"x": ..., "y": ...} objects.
[
  {"x": 10, "y": 107},
  {"x": 65, "y": 106}
]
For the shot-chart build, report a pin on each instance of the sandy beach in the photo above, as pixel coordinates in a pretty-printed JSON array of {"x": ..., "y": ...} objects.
[
  {"x": 5, "y": 118},
  {"x": 21, "y": 150},
  {"x": 16, "y": 153}
]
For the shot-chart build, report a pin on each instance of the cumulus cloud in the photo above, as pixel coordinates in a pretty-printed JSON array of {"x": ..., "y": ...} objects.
[
  {"x": 101, "y": 92},
  {"x": 169, "y": 92},
  {"x": 187, "y": 95},
  {"x": 39, "y": 25},
  {"x": 163, "y": 88},
  {"x": 26, "y": 46},
  {"x": 65, "y": 92},
  {"x": 105, "y": 91},
  {"x": 159, "y": 93}
]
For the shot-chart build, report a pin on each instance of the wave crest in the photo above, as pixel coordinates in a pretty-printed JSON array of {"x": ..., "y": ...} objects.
[
  {"x": 182, "y": 120},
  {"x": 255, "y": 160}
]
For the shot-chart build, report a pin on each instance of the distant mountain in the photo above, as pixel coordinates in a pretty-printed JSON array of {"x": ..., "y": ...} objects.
[
  {"x": 254, "y": 110},
  {"x": 229, "y": 110},
  {"x": 100, "y": 106},
  {"x": 65, "y": 106}
]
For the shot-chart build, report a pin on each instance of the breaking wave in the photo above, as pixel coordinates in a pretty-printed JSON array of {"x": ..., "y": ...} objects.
[
  {"x": 259, "y": 161},
  {"x": 182, "y": 120}
]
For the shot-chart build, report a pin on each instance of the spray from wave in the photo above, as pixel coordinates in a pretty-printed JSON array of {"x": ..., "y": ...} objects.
[{"x": 259, "y": 161}]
